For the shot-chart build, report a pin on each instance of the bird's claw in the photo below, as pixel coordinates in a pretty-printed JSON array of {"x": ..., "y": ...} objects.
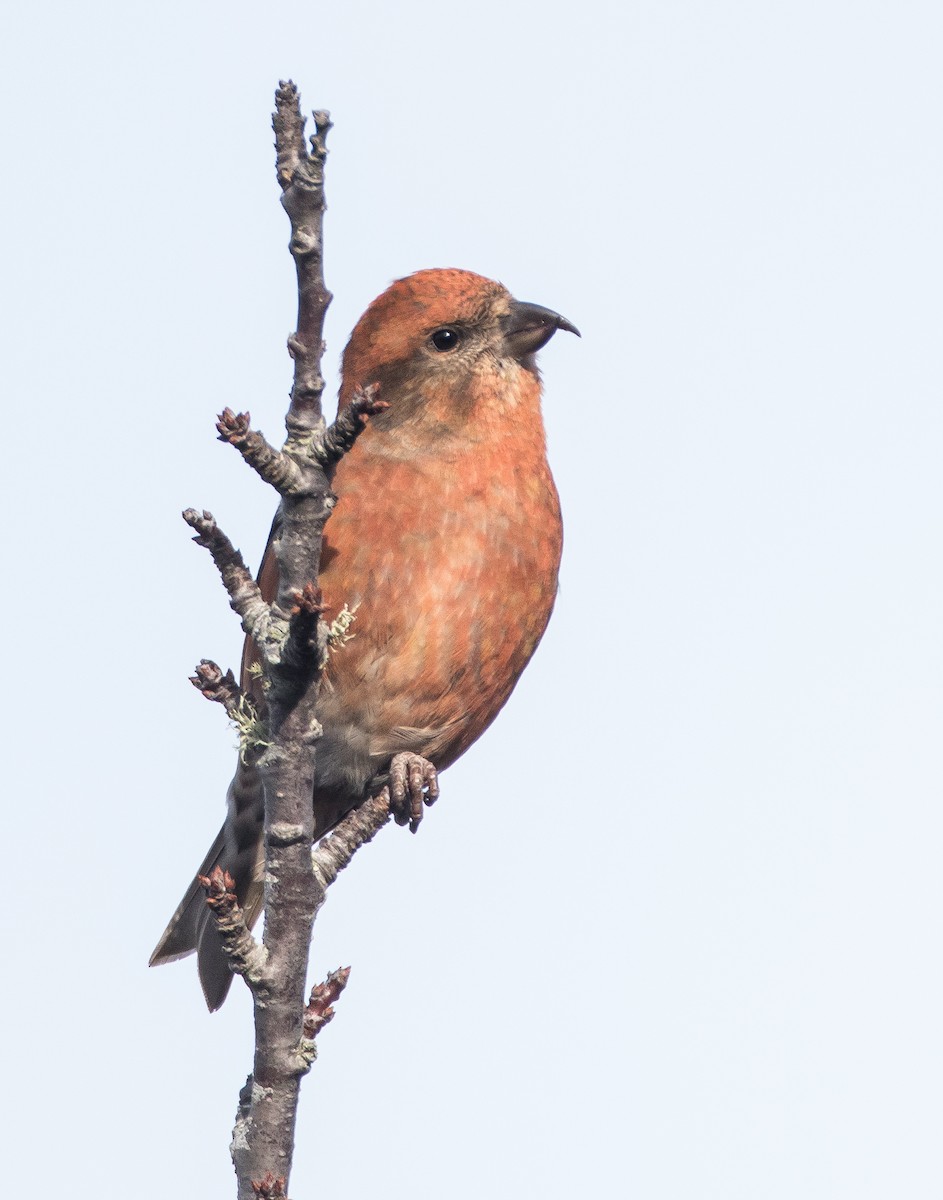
[{"x": 414, "y": 781}]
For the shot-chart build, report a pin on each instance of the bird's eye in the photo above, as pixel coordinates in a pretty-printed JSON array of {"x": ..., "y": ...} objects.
[{"x": 445, "y": 339}]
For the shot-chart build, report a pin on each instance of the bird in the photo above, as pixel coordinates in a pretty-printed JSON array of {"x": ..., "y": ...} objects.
[{"x": 445, "y": 545}]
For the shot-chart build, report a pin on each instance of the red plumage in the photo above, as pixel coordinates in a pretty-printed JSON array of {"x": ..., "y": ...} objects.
[{"x": 446, "y": 540}]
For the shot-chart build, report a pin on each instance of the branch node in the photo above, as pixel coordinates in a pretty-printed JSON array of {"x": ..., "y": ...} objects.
[
  {"x": 283, "y": 833},
  {"x": 304, "y": 241}
]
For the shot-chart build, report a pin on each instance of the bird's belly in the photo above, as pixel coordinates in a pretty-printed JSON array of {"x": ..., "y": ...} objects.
[{"x": 450, "y": 605}]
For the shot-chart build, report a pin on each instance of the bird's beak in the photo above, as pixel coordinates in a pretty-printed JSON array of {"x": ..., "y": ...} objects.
[{"x": 527, "y": 327}]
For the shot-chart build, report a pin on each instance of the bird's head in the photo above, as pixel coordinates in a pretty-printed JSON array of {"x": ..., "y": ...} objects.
[{"x": 437, "y": 340}]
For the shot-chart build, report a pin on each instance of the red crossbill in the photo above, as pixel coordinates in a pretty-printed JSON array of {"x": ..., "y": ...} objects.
[{"x": 445, "y": 542}]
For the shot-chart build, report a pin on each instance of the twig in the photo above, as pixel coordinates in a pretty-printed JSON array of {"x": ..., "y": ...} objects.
[
  {"x": 270, "y": 464},
  {"x": 307, "y": 635},
  {"x": 334, "y": 852},
  {"x": 301, "y": 175},
  {"x": 214, "y": 685},
  {"x": 244, "y": 595},
  {"x": 246, "y": 956},
  {"x": 350, "y": 423}
]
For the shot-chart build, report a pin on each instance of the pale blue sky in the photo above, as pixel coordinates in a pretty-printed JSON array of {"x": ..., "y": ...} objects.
[{"x": 674, "y": 929}]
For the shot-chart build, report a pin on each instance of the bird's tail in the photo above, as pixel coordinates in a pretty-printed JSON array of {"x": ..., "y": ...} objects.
[
  {"x": 237, "y": 849},
  {"x": 182, "y": 934}
]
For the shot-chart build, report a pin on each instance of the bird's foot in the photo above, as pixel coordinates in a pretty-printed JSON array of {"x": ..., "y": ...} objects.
[{"x": 413, "y": 782}]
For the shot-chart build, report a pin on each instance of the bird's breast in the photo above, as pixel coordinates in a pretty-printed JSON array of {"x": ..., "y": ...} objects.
[{"x": 451, "y": 561}]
